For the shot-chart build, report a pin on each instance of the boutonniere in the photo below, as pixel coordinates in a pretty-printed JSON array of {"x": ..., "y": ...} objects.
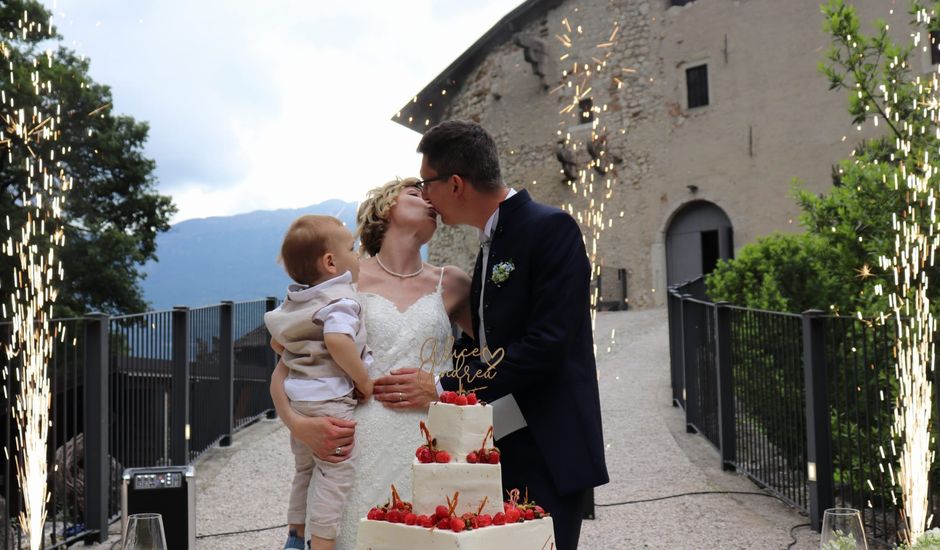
[{"x": 501, "y": 272}]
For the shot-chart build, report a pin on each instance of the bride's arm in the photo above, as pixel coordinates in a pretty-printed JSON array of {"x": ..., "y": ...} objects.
[{"x": 323, "y": 435}]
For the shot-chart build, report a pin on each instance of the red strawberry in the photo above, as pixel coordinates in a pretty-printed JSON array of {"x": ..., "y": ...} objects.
[
  {"x": 444, "y": 523},
  {"x": 457, "y": 525},
  {"x": 379, "y": 514},
  {"x": 371, "y": 514},
  {"x": 472, "y": 457},
  {"x": 513, "y": 515},
  {"x": 442, "y": 457},
  {"x": 529, "y": 514},
  {"x": 461, "y": 400},
  {"x": 493, "y": 457},
  {"x": 484, "y": 520},
  {"x": 425, "y": 521},
  {"x": 499, "y": 519},
  {"x": 539, "y": 510},
  {"x": 471, "y": 398},
  {"x": 393, "y": 516},
  {"x": 442, "y": 511},
  {"x": 425, "y": 455},
  {"x": 448, "y": 397},
  {"x": 410, "y": 518}
]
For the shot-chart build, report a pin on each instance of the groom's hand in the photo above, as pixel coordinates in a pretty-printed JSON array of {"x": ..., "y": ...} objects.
[{"x": 407, "y": 388}]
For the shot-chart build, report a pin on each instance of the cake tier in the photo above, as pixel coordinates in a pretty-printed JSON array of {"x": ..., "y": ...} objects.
[
  {"x": 435, "y": 483},
  {"x": 459, "y": 429},
  {"x": 530, "y": 535}
]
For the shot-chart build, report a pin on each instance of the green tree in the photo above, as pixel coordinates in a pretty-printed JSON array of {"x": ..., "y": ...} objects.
[{"x": 114, "y": 212}]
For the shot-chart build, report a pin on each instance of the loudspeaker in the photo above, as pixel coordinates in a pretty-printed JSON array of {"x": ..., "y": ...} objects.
[{"x": 169, "y": 491}]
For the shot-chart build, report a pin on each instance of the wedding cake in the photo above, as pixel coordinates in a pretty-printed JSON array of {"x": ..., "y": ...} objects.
[{"x": 458, "y": 494}]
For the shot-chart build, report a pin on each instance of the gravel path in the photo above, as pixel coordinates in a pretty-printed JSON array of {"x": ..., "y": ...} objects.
[{"x": 649, "y": 455}]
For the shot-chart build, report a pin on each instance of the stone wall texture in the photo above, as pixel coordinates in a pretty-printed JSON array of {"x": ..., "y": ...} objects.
[{"x": 771, "y": 119}]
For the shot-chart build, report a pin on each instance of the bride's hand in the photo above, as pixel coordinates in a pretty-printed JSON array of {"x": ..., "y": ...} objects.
[{"x": 407, "y": 388}]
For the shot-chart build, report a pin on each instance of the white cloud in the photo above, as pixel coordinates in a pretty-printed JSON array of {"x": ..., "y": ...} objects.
[{"x": 258, "y": 105}]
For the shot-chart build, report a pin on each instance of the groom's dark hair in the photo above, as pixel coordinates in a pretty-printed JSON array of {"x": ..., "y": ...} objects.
[{"x": 463, "y": 147}]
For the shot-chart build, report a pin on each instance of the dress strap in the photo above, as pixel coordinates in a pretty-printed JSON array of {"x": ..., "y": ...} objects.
[{"x": 440, "y": 282}]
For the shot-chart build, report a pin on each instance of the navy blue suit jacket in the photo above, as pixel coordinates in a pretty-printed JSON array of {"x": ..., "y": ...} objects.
[{"x": 540, "y": 315}]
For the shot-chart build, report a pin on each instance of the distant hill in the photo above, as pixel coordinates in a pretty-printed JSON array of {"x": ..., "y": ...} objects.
[{"x": 205, "y": 261}]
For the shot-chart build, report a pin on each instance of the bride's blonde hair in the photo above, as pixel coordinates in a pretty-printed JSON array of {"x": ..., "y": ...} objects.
[{"x": 372, "y": 216}]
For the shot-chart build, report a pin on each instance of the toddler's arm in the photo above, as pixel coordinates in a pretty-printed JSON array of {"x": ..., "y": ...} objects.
[{"x": 343, "y": 350}]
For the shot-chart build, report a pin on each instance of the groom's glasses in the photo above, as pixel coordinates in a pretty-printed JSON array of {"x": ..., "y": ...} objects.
[{"x": 423, "y": 184}]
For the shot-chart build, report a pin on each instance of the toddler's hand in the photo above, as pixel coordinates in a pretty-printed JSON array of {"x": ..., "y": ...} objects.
[{"x": 277, "y": 347}]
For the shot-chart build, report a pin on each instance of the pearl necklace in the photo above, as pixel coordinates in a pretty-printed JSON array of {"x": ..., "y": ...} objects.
[{"x": 399, "y": 275}]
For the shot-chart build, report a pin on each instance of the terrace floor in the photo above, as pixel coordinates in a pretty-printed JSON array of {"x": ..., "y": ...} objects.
[{"x": 243, "y": 488}]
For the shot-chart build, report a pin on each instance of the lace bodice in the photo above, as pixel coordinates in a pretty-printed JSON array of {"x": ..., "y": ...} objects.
[
  {"x": 386, "y": 439},
  {"x": 415, "y": 337}
]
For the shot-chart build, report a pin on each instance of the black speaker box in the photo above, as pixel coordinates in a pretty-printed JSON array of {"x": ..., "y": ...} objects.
[{"x": 166, "y": 490}]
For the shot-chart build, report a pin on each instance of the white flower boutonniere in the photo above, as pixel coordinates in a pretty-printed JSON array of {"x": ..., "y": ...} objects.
[{"x": 501, "y": 272}]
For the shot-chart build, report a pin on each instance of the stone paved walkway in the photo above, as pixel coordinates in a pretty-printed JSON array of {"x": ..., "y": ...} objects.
[{"x": 649, "y": 456}]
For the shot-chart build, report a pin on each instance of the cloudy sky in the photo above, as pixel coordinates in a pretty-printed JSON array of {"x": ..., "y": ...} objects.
[{"x": 264, "y": 104}]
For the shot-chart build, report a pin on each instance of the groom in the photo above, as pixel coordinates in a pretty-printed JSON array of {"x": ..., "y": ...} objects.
[{"x": 530, "y": 299}]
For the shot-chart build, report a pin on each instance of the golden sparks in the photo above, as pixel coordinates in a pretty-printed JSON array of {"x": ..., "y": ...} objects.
[
  {"x": 917, "y": 236},
  {"x": 586, "y": 138},
  {"x": 864, "y": 272},
  {"x": 34, "y": 275}
]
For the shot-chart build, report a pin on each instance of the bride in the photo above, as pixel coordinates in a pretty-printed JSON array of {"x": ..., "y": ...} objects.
[{"x": 408, "y": 307}]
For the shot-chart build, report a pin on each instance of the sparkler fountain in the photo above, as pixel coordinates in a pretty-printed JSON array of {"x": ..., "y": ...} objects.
[
  {"x": 910, "y": 108},
  {"x": 36, "y": 270}
]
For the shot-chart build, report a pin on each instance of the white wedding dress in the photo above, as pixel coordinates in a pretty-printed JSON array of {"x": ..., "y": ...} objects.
[{"x": 386, "y": 439}]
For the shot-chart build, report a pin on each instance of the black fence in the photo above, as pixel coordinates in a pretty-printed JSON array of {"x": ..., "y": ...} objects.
[
  {"x": 117, "y": 402},
  {"x": 801, "y": 404}
]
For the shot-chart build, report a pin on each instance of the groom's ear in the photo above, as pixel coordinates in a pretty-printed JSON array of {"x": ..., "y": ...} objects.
[{"x": 458, "y": 185}]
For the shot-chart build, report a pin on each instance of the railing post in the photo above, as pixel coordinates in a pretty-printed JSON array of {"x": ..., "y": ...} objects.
[
  {"x": 726, "y": 428},
  {"x": 271, "y": 358},
  {"x": 818, "y": 430},
  {"x": 97, "y": 420},
  {"x": 179, "y": 428},
  {"x": 227, "y": 370},
  {"x": 624, "y": 302},
  {"x": 690, "y": 343}
]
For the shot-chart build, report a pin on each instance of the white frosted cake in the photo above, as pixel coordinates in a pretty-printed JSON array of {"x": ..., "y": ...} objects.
[{"x": 458, "y": 495}]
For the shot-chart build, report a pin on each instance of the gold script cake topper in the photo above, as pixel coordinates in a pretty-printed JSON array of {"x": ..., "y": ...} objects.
[{"x": 432, "y": 353}]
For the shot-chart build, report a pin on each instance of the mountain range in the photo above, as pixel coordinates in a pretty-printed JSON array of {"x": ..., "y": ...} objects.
[{"x": 204, "y": 261}]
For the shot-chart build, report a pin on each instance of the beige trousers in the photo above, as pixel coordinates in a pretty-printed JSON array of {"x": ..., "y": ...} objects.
[{"x": 318, "y": 494}]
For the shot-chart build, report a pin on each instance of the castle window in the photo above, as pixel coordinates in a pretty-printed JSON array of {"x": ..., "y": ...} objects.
[
  {"x": 934, "y": 47},
  {"x": 696, "y": 80}
]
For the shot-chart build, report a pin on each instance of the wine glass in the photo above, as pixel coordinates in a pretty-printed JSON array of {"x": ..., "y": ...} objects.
[
  {"x": 144, "y": 532},
  {"x": 842, "y": 530}
]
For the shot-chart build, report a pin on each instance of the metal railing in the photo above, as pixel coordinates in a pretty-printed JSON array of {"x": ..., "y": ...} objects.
[
  {"x": 802, "y": 404},
  {"x": 151, "y": 389}
]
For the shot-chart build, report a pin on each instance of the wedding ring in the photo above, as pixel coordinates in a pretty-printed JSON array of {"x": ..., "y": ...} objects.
[
  {"x": 400, "y": 396},
  {"x": 338, "y": 451}
]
